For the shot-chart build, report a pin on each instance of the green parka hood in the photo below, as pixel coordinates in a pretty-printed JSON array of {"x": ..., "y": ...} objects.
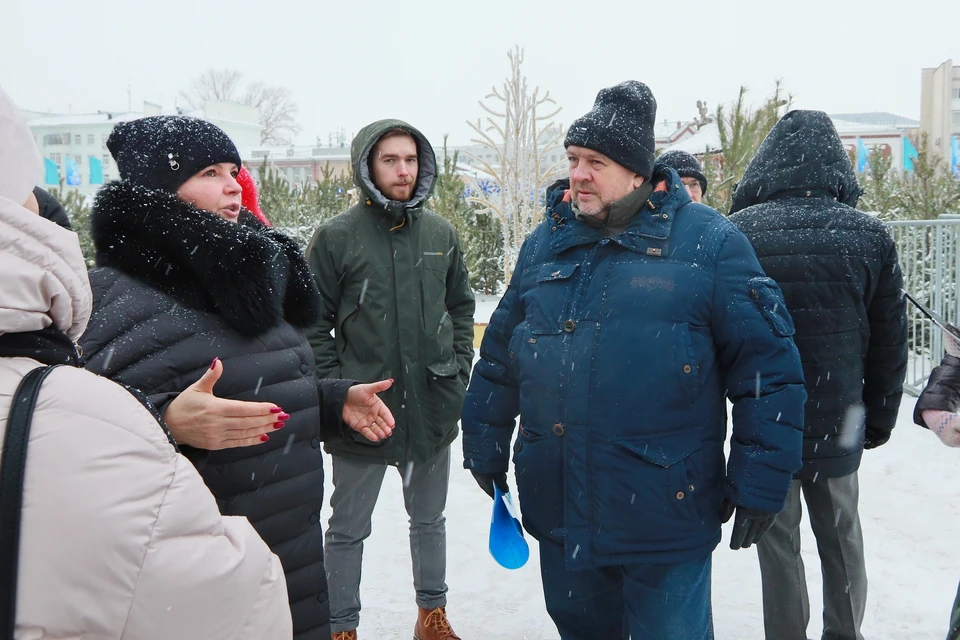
[{"x": 360, "y": 149}]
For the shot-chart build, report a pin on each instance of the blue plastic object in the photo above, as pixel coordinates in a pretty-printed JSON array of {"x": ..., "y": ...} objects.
[{"x": 507, "y": 545}]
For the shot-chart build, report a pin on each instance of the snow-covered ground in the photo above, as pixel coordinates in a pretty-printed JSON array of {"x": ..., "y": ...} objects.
[{"x": 911, "y": 524}]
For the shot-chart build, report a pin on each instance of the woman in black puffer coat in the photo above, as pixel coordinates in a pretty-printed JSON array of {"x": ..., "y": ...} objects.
[{"x": 200, "y": 305}]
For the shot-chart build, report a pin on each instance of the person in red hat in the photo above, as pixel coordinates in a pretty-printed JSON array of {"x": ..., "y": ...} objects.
[{"x": 250, "y": 197}]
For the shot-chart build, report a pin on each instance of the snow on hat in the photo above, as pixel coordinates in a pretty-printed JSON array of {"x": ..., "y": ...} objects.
[
  {"x": 163, "y": 152},
  {"x": 685, "y": 165},
  {"x": 20, "y": 160},
  {"x": 250, "y": 197},
  {"x": 620, "y": 126}
]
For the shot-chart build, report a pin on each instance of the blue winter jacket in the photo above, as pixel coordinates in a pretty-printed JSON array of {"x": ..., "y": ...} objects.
[{"x": 618, "y": 354}]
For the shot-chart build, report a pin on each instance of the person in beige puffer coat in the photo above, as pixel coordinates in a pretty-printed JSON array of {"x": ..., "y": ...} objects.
[{"x": 120, "y": 538}]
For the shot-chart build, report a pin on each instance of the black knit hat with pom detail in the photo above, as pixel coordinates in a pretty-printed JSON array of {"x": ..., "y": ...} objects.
[
  {"x": 163, "y": 152},
  {"x": 620, "y": 126}
]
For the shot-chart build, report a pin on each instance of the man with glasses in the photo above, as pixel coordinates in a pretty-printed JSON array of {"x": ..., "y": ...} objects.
[{"x": 691, "y": 173}]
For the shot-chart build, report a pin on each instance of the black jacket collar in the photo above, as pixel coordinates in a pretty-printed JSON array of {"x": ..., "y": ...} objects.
[{"x": 253, "y": 276}]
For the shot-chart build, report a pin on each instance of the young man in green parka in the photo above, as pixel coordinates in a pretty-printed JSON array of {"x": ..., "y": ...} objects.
[{"x": 397, "y": 304}]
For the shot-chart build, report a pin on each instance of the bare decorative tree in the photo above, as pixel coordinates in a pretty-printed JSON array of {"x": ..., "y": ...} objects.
[
  {"x": 519, "y": 131},
  {"x": 277, "y": 110}
]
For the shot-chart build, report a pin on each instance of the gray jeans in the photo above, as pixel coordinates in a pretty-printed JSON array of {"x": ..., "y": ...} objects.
[
  {"x": 832, "y": 509},
  {"x": 356, "y": 487}
]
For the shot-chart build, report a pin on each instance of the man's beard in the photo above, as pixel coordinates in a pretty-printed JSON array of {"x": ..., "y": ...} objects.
[{"x": 601, "y": 214}]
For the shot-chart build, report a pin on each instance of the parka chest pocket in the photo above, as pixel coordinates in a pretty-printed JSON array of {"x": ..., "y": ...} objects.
[{"x": 548, "y": 299}]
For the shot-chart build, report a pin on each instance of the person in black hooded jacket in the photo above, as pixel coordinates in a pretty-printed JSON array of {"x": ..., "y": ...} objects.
[
  {"x": 841, "y": 280},
  {"x": 187, "y": 277},
  {"x": 51, "y": 209}
]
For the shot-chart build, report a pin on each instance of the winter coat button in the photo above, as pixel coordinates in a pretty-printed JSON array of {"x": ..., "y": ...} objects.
[
  {"x": 314, "y": 518},
  {"x": 304, "y": 369},
  {"x": 569, "y": 326},
  {"x": 513, "y": 356},
  {"x": 679, "y": 495},
  {"x": 315, "y": 443},
  {"x": 558, "y": 429},
  {"x": 687, "y": 368}
]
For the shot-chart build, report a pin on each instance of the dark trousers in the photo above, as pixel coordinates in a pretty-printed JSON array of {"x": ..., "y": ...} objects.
[
  {"x": 832, "y": 509},
  {"x": 639, "y": 601}
]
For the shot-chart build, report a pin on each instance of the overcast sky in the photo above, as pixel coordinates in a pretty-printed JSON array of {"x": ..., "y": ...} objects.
[{"x": 349, "y": 62}]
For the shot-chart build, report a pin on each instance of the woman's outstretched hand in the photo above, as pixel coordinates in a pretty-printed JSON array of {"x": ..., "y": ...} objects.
[
  {"x": 200, "y": 419},
  {"x": 365, "y": 412}
]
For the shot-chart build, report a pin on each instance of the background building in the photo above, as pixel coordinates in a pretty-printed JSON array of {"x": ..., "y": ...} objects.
[
  {"x": 940, "y": 108},
  {"x": 892, "y": 133},
  {"x": 75, "y": 151},
  {"x": 299, "y": 165}
]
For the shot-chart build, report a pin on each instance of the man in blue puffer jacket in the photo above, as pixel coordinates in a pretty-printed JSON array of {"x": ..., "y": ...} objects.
[{"x": 633, "y": 313}]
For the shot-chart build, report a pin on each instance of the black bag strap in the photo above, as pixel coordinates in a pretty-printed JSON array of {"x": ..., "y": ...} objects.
[{"x": 12, "y": 467}]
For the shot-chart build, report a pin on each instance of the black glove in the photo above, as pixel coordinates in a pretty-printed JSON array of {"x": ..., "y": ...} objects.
[
  {"x": 875, "y": 437},
  {"x": 748, "y": 526},
  {"x": 487, "y": 480}
]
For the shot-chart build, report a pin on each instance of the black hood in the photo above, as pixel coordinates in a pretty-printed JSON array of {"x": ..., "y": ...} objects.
[
  {"x": 252, "y": 276},
  {"x": 801, "y": 153}
]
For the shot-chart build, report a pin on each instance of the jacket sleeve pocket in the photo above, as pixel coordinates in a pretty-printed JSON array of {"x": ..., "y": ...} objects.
[{"x": 769, "y": 299}]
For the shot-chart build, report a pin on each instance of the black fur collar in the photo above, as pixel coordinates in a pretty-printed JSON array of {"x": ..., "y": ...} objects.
[{"x": 253, "y": 276}]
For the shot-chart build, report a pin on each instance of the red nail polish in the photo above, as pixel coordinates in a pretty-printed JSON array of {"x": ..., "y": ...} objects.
[
  {"x": 213, "y": 365},
  {"x": 283, "y": 416},
  {"x": 279, "y": 425},
  {"x": 276, "y": 410},
  {"x": 264, "y": 438}
]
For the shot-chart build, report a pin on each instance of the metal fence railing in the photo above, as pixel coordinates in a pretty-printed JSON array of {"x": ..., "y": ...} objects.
[{"x": 929, "y": 252}]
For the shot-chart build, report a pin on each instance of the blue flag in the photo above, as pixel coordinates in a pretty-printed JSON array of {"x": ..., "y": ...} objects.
[
  {"x": 52, "y": 171},
  {"x": 909, "y": 154},
  {"x": 96, "y": 171},
  {"x": 955, "y": 155},
  {"x": 861, "y": 156},
  {"x": 73, "y": 172}
]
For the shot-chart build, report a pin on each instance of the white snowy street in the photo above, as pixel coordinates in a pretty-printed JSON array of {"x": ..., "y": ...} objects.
[{"x": 911, "y": 525}]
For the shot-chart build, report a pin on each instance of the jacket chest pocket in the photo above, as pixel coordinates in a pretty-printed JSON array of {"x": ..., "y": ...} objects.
[
  {"x": 433, "y": 288},
  {"x": 547, "y": 301},
  {"x": 436, "y": 323}
]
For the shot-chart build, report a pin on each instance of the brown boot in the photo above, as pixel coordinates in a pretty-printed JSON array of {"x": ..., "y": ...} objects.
[
  {"x": 432, "y": 624},
  {"x": 344, "y": 635}
]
